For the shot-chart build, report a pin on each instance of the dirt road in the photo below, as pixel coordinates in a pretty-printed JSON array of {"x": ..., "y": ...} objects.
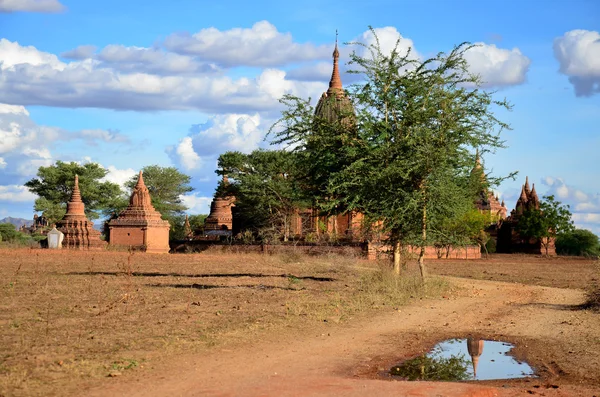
[{"x": 563, "y": 345}]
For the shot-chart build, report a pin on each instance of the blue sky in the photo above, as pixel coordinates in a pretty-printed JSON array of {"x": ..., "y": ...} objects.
[{"x": 131, "y": 83}]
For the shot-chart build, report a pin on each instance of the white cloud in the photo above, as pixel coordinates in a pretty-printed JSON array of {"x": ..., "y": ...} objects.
[
  {"x": 32, "y": 77},
  {"x": 188, "y": 158},
  {"x": 260, "y": 45},
  {"x": 388, "y": 37},
  {"x": 119, "y": 176},
  {"x": 230, "y": 132},
  {"x": 103, "y": 135},
  {"x": 196, "y": 204},
  {"x": 578, "y": 53},
  {"x": 12, "y": 54},
  {"x": 80, "y": 52},
  {"x": 25, "y": 146},
  {"x": 585, "y": 207},
  {"x": 31, "y": 6},
  {"x": 16, "y": 193},
  {"x": 497, "y": 66},
  {"x": 2, "y": 163}
]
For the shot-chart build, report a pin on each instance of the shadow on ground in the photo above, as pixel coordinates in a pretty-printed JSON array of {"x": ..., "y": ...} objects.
[{"x": 157, "y": 274}]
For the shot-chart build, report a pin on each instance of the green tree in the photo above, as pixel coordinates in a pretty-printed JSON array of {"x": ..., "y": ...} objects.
[
  {"x": 551, "y": 220},
  {"x": 166, "y": 186},
  {"x": 54, "y": 185},
  {"x": 578, "y": 242},
  {"x": 265, "y": 186},
  {"x": 197, "y": 221},
  {"x": 466, "y": 228},
  {"x": 418, "y": 124}
]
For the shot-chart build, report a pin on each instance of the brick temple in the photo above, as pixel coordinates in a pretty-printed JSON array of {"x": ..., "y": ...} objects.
[
  {"x": 79, "y": 232},
  {"x": 509, "y": 240},
  {"x": 140, "y": 226}
]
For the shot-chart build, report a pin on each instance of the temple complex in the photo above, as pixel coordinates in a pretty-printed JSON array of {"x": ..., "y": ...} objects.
[
  {"x": 509, "y": 240},
  {"x": 79, "y": 232},
  {"x": 334, "y": 108},
  {"x": 140, "y": 226}
]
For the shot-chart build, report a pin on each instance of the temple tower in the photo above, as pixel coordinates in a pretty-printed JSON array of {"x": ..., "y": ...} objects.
[
  {"x": 140, "y": 226},
  {"x": 334, "y": 104},
  {"x": 220, "y": 219},
  {"x": 79, "y": 232},
  {"x": 486, "y": 201}
]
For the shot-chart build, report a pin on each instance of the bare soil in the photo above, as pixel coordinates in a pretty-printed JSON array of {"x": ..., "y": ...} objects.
[{"x": 228, "y": 325}]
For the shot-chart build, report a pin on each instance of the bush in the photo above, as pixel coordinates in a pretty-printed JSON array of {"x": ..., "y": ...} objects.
[
  {"x": 579, "y": 242},
  {"x": 491, "y": 246}
]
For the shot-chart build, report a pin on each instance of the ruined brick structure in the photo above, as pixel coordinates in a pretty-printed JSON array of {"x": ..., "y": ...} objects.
[
  {"x": 79, "y": 232},
  {"x": 220, "y": 219},
  {"x": 140, "y": 226},
  {"x": 509, "y": 240}
]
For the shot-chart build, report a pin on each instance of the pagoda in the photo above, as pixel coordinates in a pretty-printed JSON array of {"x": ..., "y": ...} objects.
[
  {"x": 220, "y": 219},
  {"x": 79, "y": 232},
  {"x": 140, "y": 226}
]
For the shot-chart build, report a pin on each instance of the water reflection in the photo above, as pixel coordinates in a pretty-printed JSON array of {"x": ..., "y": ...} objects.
[{"x": 447, "y": 361}]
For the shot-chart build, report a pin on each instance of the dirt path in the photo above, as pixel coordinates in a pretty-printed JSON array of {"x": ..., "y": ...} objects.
[{"x": 344, "y": 359}]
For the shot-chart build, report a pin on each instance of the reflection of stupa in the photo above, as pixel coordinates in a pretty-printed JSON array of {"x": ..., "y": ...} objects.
[{"x": 475, "y": 348}]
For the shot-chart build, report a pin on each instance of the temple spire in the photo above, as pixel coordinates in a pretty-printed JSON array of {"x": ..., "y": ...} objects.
[
  {"x": 526, "y": 187},
  {"x": 76, "y": 195},
  {"x": 140, "y": 182},
  {"x": 335, "y": 84}
]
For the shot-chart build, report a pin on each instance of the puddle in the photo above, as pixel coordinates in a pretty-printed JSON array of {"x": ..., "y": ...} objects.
[{"x": 464, "y": 359}]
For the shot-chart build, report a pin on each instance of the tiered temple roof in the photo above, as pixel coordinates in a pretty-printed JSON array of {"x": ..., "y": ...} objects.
[
  {"x": 334, "y": 103},
  {"x": 140, "y": 225},
  {"x": 78, "y": 230}
]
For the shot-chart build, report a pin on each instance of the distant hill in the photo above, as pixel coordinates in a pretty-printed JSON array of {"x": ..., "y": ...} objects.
[{"x": 18, "y": 222}]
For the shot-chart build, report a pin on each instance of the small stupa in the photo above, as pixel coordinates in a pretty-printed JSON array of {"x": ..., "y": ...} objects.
[
  {"x": 220, "y": 219},
  {"x": 140, "y": 226},
  {"x": 79, "y": 232},
  {"x": 475, "y": 349}
]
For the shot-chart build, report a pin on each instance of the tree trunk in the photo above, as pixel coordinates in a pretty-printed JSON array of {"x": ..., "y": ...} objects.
[
  {"x": 484, "y": 246},
  {"x": 397, "y": 257},
  {"x": 423, "y": 244}
]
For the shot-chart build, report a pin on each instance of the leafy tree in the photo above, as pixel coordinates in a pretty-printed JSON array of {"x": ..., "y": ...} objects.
[
  {"x": 467, "y": 228},
  {"x": 578, "y": 242},
  {"x": 265, "y": 187},
  {"x": 197, "y": 221},
  {"x": 54, "y": 186},
  {"x": 8, "y": 232},
  {"x": 408, "y": 164},
  {"x": 551, "y": 220},
  {"x": 324, "y": 144},
  {"x": 166, "y": 186}
]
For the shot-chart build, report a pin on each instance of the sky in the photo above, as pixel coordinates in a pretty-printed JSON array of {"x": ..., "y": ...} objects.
[{"x": 132, "y": 83}]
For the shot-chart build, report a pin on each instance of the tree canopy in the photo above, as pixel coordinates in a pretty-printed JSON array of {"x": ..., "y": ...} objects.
[
  {"x": 265, "y": 185},
  {"x": 551, "y": 220},
  {"x": 54, "y": 185},
  {"x": 407, "y": 164},
  {"x": 579, "y": 242}
]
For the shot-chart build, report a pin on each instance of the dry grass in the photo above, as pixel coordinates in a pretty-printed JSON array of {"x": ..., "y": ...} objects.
[{"x": 70, "y": 316}]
